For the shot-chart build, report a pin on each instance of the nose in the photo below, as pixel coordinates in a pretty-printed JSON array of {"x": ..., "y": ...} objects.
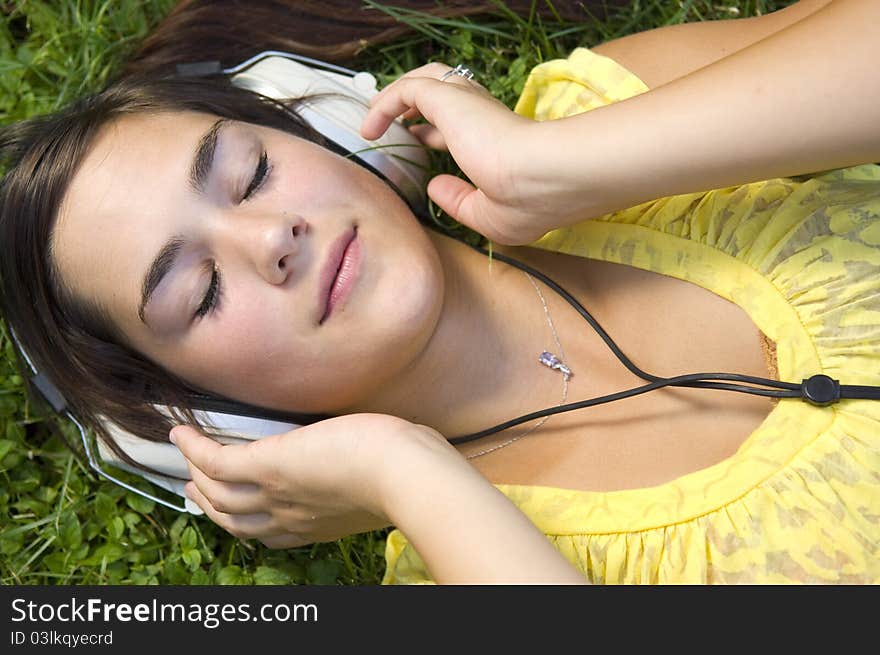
[{"x": 271, "y": 243}]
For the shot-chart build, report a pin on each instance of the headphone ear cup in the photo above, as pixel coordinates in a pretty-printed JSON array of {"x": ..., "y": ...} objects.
[
  {"x": 170, "y": 470},
  {"x": 335, "y": 104}
]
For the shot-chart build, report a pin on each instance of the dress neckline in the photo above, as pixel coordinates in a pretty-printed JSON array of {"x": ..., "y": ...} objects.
[{"x": 787, "y": 428}]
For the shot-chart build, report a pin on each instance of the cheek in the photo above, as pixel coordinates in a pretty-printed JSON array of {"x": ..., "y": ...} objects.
[
  {"x": 258, "y": 349},
  {"x": 312, "y": 183},
  {"x": 237, "y": 350}
]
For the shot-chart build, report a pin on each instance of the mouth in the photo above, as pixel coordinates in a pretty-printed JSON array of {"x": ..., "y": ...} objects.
[{"x": 339, "y": 273}]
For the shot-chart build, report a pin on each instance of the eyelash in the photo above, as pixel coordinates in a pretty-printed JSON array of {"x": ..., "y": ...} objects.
[
  {"x": 260, "y": 176},
  {"x": 209, "y": 302}
]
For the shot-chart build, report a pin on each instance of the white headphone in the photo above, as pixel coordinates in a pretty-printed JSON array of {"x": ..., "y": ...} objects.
[{"x": 336, "y": 101}]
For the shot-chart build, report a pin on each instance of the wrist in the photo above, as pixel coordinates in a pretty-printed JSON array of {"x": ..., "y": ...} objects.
[
  {"x": 420, "y": 458},
  {"x": 577, "y": 178},
  {"x": 597, "y": 167},
  {"x": 465, "y": 530}
]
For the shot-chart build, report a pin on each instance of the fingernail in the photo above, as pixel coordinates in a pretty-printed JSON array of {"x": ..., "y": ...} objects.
[{"x": 172, "y": 437}]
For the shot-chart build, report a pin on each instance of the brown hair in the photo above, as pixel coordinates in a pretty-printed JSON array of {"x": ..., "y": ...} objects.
[
  {"x": 230, "y": 31},
  {"x": 75, "y": 344}
]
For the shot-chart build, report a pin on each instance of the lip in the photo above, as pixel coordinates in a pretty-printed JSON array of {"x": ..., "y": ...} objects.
[{"x": 339, "y": 272}]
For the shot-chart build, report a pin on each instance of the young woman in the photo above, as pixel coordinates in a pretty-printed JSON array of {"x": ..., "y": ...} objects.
[{"x": 420, "y": 339}]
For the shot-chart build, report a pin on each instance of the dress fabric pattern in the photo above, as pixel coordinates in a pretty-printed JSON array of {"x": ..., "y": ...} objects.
[{"x": 799, "y": 502}]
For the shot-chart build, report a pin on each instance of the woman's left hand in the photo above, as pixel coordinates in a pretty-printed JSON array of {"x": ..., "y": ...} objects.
[
  {"x": 315, "y": 483},
  {"x": 503, "y": 199}
]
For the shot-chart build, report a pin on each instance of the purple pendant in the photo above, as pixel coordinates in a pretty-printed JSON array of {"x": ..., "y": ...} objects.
[{"x": 552, "y": 361}]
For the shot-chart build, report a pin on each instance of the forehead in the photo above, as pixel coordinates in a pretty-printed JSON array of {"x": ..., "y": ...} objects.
[
  {"x": 131, "y": 181},
  {"x": 127, "y": 154}
]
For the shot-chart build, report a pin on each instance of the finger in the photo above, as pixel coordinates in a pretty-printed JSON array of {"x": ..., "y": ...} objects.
[
  {"x": 434, "y": 70},
  {"x": 451, "y": 195},
  {"x": 429, "y": 135},
  {"x": 285, "y": 541},
  {"x": 439, "y": 73},
  {"x": 229, "y": 497},
  {"x": 400, "y": 97},
  {"x": 469, "y": 206},
  {"x": 232, "y": 463},
  {"x": 433, "y": 99},
  {"x": 437, "y": 70},
  {"x": 243, "y": 526},
  {"x": 411, "y": 114}
]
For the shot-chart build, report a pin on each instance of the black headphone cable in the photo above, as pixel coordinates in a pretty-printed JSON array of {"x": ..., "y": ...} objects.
[{"x": 818, "y": 389}]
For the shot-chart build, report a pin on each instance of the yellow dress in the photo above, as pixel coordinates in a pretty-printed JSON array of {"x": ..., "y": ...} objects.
[{"x": 800, "y": 499}]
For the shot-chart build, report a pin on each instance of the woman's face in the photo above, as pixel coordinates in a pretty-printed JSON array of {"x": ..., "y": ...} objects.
[{"x": 216, "y": 245}]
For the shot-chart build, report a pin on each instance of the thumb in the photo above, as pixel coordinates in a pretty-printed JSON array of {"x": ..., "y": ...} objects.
[
  {"x": 470, "y": 206},
  {"x": 458, "y": 198}
]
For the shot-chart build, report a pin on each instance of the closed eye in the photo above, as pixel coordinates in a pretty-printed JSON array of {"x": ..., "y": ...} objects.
[
  {"x": 260, "y": 175},
  {"x": 211, "y": 295}
]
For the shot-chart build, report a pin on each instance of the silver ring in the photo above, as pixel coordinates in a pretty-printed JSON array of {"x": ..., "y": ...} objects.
[{"x": 460, "y": 71}]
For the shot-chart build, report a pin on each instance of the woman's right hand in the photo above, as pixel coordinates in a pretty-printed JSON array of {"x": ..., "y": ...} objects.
[
  {"x": 511, "y": 197},
  {"x": 363, "y": 471},
  {"x": 315, "y": 483}
]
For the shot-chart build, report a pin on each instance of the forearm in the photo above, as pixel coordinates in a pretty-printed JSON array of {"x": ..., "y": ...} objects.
[
  {"x": 803, "y": 100},
  {"x": 465, "y": 530}
]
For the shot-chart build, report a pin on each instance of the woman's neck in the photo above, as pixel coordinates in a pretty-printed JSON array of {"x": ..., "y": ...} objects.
[{"x": 480, "y": 366}]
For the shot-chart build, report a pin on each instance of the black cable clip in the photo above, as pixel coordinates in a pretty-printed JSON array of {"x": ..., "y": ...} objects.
[
  {"x": 820, "y": 390},
  {"x": 199, "y": 69}
]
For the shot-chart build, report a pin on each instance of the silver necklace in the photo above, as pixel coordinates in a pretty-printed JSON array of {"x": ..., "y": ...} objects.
[{"x": 547, "y": 359}]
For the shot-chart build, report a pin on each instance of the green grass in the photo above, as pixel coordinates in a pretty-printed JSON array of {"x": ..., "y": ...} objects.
[{"x": 61, "y": 524}]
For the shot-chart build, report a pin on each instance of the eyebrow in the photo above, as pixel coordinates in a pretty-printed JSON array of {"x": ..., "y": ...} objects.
[
  {"x": 203, "y": 160},
  {"x": 163, "y": 262},
  {"x": 159, "y": 268}
]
